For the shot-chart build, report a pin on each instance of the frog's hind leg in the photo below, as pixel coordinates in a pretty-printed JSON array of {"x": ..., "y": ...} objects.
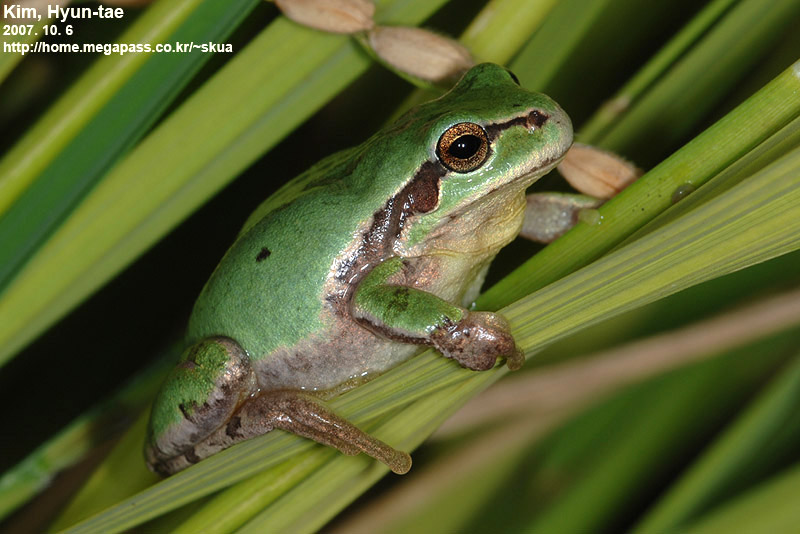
[
  {"x": 298, "y": 413},
  {"x": 211, "y": 401},
  {"x": 305, "y": 415},
  {"x": 202, "y": 392}
]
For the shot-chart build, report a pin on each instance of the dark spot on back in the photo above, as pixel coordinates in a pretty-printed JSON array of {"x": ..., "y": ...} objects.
[
  {"x": 183, "y": 410},
  {"x": 263, "y": 254}
]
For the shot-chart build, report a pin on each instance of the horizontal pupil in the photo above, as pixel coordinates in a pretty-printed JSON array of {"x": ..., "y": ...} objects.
[{"x": 465, "y": 146}]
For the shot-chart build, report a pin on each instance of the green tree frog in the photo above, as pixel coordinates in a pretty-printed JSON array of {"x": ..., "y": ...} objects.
[{"x": 352, "y": 266}]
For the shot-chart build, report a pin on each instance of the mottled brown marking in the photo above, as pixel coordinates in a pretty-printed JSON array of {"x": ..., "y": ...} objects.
[
  {"x": 233, "y": 426},
  {"x": 191, "y": 456},
  {"x": 420, "y": 195},
  {"x": 299, "y": 362}
]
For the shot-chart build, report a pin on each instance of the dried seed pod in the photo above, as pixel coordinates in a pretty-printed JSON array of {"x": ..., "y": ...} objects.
[
  {"x": 335, "y": 16},
  {"x": 420, "y": 53},
  {"x": 595, "y": 172}
]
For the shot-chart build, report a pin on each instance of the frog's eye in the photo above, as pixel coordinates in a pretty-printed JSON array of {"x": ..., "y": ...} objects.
[{"x": 463, "y": 147}]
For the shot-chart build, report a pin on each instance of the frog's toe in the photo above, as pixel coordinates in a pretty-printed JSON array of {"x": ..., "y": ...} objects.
[
  {"x": 515, "y": 360},
  {"x": 478, "y": 340}
]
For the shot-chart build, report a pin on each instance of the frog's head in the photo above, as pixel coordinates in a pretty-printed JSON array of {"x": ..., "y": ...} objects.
[
  {"x": 486, "y": 137},
  {"x": 488, "y": 131}
]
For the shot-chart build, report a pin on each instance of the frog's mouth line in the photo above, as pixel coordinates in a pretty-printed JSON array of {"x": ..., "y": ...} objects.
[
  {"x": 549, "y": 165},
  {"x": 540, "y": 170}
]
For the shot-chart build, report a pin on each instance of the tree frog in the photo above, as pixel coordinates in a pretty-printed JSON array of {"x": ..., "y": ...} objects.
[{"x": 352, "y": 266}]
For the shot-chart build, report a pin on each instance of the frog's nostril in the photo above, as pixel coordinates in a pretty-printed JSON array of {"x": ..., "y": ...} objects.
[{"x": 536, "y": 119}]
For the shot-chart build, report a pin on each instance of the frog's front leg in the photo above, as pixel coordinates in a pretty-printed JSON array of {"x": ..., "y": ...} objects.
[
  {"x": 598, "y": 174},
  {"x": 473, "y": 339},
  {"x": 211, "y": 401},
  {"x": 548, "y": 216}
]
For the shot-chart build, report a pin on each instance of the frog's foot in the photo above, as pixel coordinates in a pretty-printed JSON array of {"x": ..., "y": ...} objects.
[
  {"x": 597, "y": 174},
  {"x": 477, "y": 340},
  {"x": 298, "y": 413},
  {"x": 305, "y": 415},
  {"x": 548, "y": 216}
]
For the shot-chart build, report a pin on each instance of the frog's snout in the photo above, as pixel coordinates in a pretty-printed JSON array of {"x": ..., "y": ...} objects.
[
  {"x": 551, "y": 116},
  {"x": 554, "y": 119}
]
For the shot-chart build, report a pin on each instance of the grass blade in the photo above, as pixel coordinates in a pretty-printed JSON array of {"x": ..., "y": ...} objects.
[
  {"x": 778, "y": 496},
  {"x": 763, "y": 436}
]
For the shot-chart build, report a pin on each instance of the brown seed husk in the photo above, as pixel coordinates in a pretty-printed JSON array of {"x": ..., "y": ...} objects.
[
  {"x": 335, "y": 16},
  {"x": 595, "y": 172},
  {"x": 420, "y": 53}
]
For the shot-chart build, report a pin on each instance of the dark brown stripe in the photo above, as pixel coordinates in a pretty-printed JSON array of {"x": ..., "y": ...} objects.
[
  {"x": 420, "y": 195},
  {"x": 533, "y": 119}
]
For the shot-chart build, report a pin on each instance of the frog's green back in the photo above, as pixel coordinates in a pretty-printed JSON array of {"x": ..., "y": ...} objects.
[
  {"x": 333, "y": 166},
  {"x": 267, "y": 291}
]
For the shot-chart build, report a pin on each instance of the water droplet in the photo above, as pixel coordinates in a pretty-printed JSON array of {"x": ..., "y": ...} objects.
[
  {"x": 683, "y": 191},
  {"x": 590, "y": 216}
]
